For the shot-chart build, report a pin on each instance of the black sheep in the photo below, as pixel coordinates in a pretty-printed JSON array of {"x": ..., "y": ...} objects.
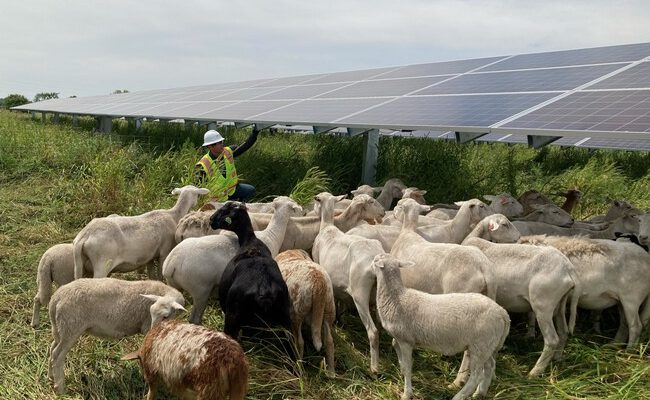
[{"x": 252, "y": 292}]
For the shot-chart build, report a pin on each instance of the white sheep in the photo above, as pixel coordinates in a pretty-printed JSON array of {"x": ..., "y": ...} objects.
[
  {"x": 611, "y": 273},
  {"x": 122, "y": 244},
  {"x": 312, "y": 301},
  {"x": 196, "y": 264},
  {"x": 192, "y": 362},
  {"x": 446, "y": 323},
  {"x": 105, "y": 307},
  {"x": 628, "y": 223},
  {"x": 537, "y": 279},
  {"x": 347, "y": 259}
]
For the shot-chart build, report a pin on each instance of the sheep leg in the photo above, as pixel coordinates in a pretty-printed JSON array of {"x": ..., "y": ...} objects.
[
  {"x": 594, "y": 317},
  {"x": 623, "y": 330},
  {"x": 151, "y": 393},
  {"x": 102, "y": 268},
  {"x": 59, "y": 351},
  {"x": 476, "y": 371},
  {"x": 329, "y": 349},
  {"x": 405, "y": 357},
  {"x": 361, "y": 300},
  {"x": 532, "y": 331},
  {"x": 645, "y": 313},
  {"x": 296, "y": 329},
  {"x": 551, "y": 341},
  {"x": 200, "y": 303},
  {"x": 36, "y": 318},
  {"x": 634, "y": 323},
  {"x": 486, "y": 378},
  {"x": 562, "y": 331},
  {"x": 463, "y": 373}
]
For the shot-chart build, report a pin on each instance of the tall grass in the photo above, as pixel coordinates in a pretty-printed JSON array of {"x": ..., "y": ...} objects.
[{"x": 55, "y": 178}]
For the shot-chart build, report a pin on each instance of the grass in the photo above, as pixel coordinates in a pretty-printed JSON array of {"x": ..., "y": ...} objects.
[{"x": 55, "y": 178}]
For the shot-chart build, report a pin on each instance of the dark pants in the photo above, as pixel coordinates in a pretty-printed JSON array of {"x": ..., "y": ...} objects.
[{"x": 243, "y": 192}]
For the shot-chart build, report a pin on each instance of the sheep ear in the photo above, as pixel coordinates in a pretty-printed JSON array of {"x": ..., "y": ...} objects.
[
  {"x": 341, "y": 197},
  {"x": 177, "y": 191},
  {"x": 493, "y": 226},
  {"x": 151, "y": 297},
  {"x": 131, "y": 356},
  {"x": 459, "y": 203},
  {"x": 489, "y": 197},
  {"x": 377, "y": 189},
  {"x": 177, "y": 306},
  {"x": 422, "y": 192},
  {"x": 202, "y": 191},
  {"x": 425, "y": 209}
]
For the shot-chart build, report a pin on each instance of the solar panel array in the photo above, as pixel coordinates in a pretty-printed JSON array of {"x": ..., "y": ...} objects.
[{"x": 594, "y": 97}]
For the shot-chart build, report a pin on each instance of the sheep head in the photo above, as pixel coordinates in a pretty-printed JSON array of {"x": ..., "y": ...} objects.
[{"x": 232, "y": 216}]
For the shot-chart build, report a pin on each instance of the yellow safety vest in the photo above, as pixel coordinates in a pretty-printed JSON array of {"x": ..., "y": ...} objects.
[{"x": 220, "y": 186}]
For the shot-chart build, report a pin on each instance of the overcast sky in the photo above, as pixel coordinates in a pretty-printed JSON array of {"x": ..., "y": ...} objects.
[{"x": 86, "y": 47}]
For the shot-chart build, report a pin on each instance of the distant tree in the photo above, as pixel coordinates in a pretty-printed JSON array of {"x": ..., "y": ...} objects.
[
  {"x": 73, "y": 96},
  {"x": 120, "y": 91},
  {"x": 45, "y": 96},
  {"x": 14, "y": 100}
]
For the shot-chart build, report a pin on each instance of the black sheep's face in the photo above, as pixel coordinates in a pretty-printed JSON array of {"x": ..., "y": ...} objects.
[{"x": 228, "y": 215}]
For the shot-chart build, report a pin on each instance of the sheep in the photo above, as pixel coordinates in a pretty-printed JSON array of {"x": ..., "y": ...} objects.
[
  {"x": 192, "y": 362},
  {"x": 611, "y": 273},
  {"x": 549, "y": 214},
  {"x": 196, "y": 265},
  {"x": 445, "y": 323},
  {"x": 535, "y": 279},
  {"x": 312, "y": 300},
  {"x": 617, "y": 209},
  {"x": 252, "y": 207},
  {"x": 531, "y": 198},
  {"x": 624, "y": 224},
  {"x": 121, "y": 244},
  {"x": 55, "y": 266},
  {"x": 415, "y": 194},
  {"x": 347, "y": 259},
  {"x": 505, "y": 204},
  {"x": 105, "y": 307},
  {"x": 495, "y": 228},
  {"x": 252, "y": 293},
  {"x": 454, "y": 231},
  {"x": 440, "y": 267}
]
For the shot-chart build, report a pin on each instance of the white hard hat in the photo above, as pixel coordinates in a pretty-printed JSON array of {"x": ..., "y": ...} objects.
[{"x": 212, "y": 137}]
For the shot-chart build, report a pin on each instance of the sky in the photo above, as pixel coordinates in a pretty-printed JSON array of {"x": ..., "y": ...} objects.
[{"x": 84, "y": 48}]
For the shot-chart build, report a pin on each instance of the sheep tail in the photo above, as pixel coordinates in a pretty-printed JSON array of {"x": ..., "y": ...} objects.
[
  {"x": 318, "y": 304},
  {"x": 44, "y": 283},
  {"x": 78, "y": 244},
  {"x": 238, "y": 379}
]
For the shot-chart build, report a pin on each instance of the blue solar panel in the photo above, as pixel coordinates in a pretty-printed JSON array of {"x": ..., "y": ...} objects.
[
  {"x": 351, "y": 76},
  {"x": 443, "y": 111},
  {"x": 244, "y": 110},
  {"x": 301, "y": 92},
  {"x": 321, "y": 110},
  {"x": 635, "y": 77},
  {"x": 616, "y": 111},
  {"x": 439, "y": 68},
  {"x": 559, "y": 79},
  {"x": 388, "y": 87},
  {"x": 598, "y": 55}
]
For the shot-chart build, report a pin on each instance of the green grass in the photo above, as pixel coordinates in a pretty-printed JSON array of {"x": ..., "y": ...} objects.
[{"x": 55, "y": 178}]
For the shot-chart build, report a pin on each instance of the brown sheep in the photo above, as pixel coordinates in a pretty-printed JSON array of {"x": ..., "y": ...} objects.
[{"x": 191, "y": 359}]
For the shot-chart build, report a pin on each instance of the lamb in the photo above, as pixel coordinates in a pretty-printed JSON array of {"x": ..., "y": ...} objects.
[
  {"x": 196, "y": 265},
  {"x": 535, "y": 279},
  {"x": 192, "y": 361},
  {"x": 105, "y": 307},
  {"x": 312, "y": 300},
  {"x": 440, "y": 267},
  {"x": 610, "y": 272},
  {"x": 347, "y": 259},
  {"x": 415, "y": 194},
  {"x": 495, "y": 228},
  {"x": 503, "y": 203},
  {"x": 548, "y": 214},
  {"x": 121, "y": 244},
  {"x": 252, "y": 293},
  {"x": 56, "y": 266},
  {"x": 445, "y": 323}
]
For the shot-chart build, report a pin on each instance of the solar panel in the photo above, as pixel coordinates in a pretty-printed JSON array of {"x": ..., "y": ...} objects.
[
  {"x": 558, "y": 79},
  {"x": 447, "y": 111},
  {"x": 615, "y": 110},
  {"x": 592, "y": 97},
  {"x": 598, "y": 55}
]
